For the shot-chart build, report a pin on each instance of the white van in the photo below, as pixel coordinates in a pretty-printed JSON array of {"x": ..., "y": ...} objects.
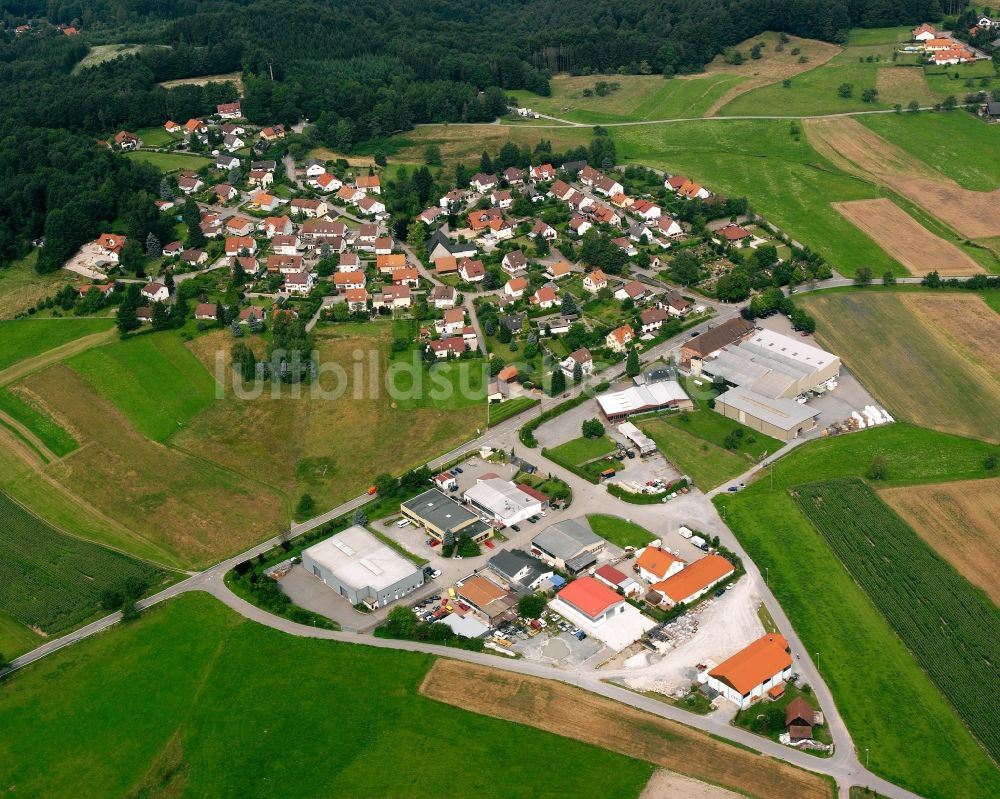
[
  {"x": 684, "y": 532},
  {"x": 402, "y": 522}
]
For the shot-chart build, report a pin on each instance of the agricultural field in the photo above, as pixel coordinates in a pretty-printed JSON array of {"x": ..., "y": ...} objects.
[
  {"x": 944, "y": 142},
  {"x": 22, "y": 339},
  {"x": 152, "y": 715},
  {"x": 900, "y": 235},
  {"x": 16, "y": 639},
  {"x": 619, "y": 531},
  {"x": 499, "y": 412},
  {"x": 586, "y": 717},
  {"x": 857, "y": 150},
  {"x": 170, "y": 162},
  {"x": 951, "y": 80},
  {"x": 26, "y": 410},
  {"x": 51, "y": 582},
  {"x": 942, "y": 349},
  {"x": 21, "y": 286},
  {"x": 951, "y": 629},
  {"x": 959, "y": 521},
  {"x": 860, "y": 656}
]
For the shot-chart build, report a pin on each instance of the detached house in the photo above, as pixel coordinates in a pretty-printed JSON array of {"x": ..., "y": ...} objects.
[
  {"x": 543, "y": 172},
  {"x": 229, "y": 110},
  {"x": 442, "y": 297},
  {"x": 239, "y": 226},
  {"x": 371, "y": 206},
  {"x": 357, "y": 300},
  {"x": 276, "y": 226},
  {"x": 646, "y": 209},
  {"x": 513, "y": 175},
  {"x": 582, "y": 357},
  {"x": 315, "y": 167},
  {"x": 155, "y": 292},
  {"x": 502, "y": 199},
  {"x": 595, "y": 281},
  {"x": 308, "y": 208},
  {"x": 674, "y": 303},
  {"x": 472, "y": 271},
  {"x": 189, "y": 182},
  {"x": 298, "y": 282},
  {"x": 669, "y": 227},
  {"x": 327, "y": 182},
  {"x": 559, "y": 269},
  {"x": 286, "y": 244},
  {"x": 544, "y": 230},
  {"x": 349, "y": 280},
  {"x": 619, "y": 339},
  {"x": 370, "y": 184},
  {"x": 579, "y": 225},
  {"x": 240, "y": 245},
  {"x": 483, "y": 183},
  {"x": 545, "y": 297},
  {"x": 652, "y": 319},
  {"x": 514, "y": 288},
  {"x": 109, "y": 246},
  {"x": 514, "y": 263},
  {"x": 224, "y": 192},
  {"x": 125, "y": 141},
  {"x": 233, "y": 142},
  {"x": 633, "y": 290}
]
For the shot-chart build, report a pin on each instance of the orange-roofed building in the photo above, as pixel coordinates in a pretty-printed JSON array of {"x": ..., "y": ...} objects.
[
  {"x": 655, "y": 564},
  {"x": 753, "y": 671},
  {"x": 508, "y": 373},
  {"x": 387, "y": 264},
  {"x": 446, "y": 265},
  {"x": 694, "y": 580},
  {"x": 592, "y": 598}
]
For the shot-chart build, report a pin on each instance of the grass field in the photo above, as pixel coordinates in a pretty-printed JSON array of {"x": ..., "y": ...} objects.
[
  {"x": 235, "y": 78},
  {"x": 155, "y": 712},
  {"x": 860, "y": 656},
  {"x": 16, "y": 639},
  {"x": 584, "y": 716},
  {"x": 25, "y": 338},
  {"x": 499, "y": 412},
  {"x": 619, "y": 531},
  {"x": 170, "y": 162},
  {"x": 21, "y": 286},
  {"x": 26, "y": 409},
  {"x": 951, "y": 79},
  {"x": 943, "y": 142},
  {"x": 49, "y": 581},
  {"x": 951, "y": 629},
  {"x": 580, "y": 450},
  {"x": 100, "y": 53},
  {"x": 943, "y": 351},
  {"x": 156, "y": 137},
  {"x": 153, "y": 379},
  {"x": 865, "y": 37},
  {"x": 961, "y": 522},
  {"x": 452, "y": 385}
]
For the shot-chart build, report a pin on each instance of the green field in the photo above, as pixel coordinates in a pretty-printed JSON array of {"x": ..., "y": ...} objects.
[
  {"x": 580, "y": 450},
  {"x": 51, "y": 434},
  {"x": 170, "y": 162},
  {"x": 860, "y": 657},
  {"x": 619, "y": 531},
  {"x": 504, "y": 410},
  {"x": 944, "y": 142},
  {"x": 866, "y": 37},
  {"x": 16, "y": 639},
  {"x": 450, "y": 385},
  {"x": 25, "y": 338},
  {"x": 156, "y": 137},
  {"x": 51, "y": 581},
  {"x": 153, "y": 379},
  {"x": 193, "y": 700},
  {"x": 950, "y": 627},
  {"x": 951, "y": 80}
]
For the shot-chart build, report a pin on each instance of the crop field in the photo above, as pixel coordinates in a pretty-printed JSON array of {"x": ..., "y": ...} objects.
[
  {"x": 858, "y": 150},
  {"x": 951, "y": 629},
  {"x": 959, "y": 521},
  {"x": 147, "y": 710},
  {"x": 861, "y": 658},
  {"x": 943, "y": 142},
  {"x": 910, "y": 243},
  {"x": 942, "y": 351},
  {"x": 49, "y": 581},
  {"x": 22, "y": 339},
  {"x": 899, "y": 82},
  {"x": 170, "y": 162},
  {"x": 619, "y": 531},
  {"x": 583, "y": 716},
  {"x": 153, "y": 379},
  {"x": 499, "y": 412},
  {"x": 26, "y": 409}
]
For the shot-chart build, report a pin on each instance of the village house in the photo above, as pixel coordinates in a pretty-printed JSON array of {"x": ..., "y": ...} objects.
[
  {"x": 601, "y": 214},
  {"x": 261, "y": 178},
  {"x": 233, "y": 142},
  {"x": 172, "y": 127},
  {"x": 472, "y": 271},
  {"x": 608, "y": 186},
  {"x": 286, "y": 244},
  {"x": 452, "y": 322},
  {"x": 545, "y": 297},
  {"x": 368, "y": 234},
  {"x": 389, "y": 263},
  {"x": 669, "y": 227},
  {"x": 561, "y": 190},
  {"x": 647, "y": 210},
  {"x": 195, "y": 127},
  {"x": 581, "y": 358},
  {"x": 371, "y": 206},
  {"x": 626, "y": 246},
  {"x": 619, "y": 339},
  {"x": 652, "y": 319},
  {"x": 285, "y": 264},
  {"x": 595, "y": 281},
  {"x": 124, "y": 141},
  {"x": 226, "y": 162},
  {"x": 310, "y": 209},
  {"x": 240, "y": 245},
  {"x": 357, "y": 300},
  {"x": 349, "y": 280},
  {"x": 654, "y": 564},
  {"x": 323, "y": 230},
  {"x": 559, "y": 269},
  {"x": 544, "y": 230},
  {"x": 224, "y": 192},
  {"x": 453, "y": 198},
  {"x": 429, "y": 215},
  {"x": 445, "y": 265},
  {"x": 109, "y": 246},
  {"x": 443, "y": 347},
  {"x": 483, "y": 183},
  {"x": 194, "y": 257},
  {"x": 442, "y": 297},
  {"x": 384, "y": 245},
  {"x": 513, "y": 175},
  {"x": 410, "y": 276},
  {"x": 276, "y": 226},
  {"x": 156, "y": 292},
  {"x": 205, "y": 312},
  {"x": 229, "y": 110},
  {"x": 105, "y": 289},
  {"x": 315, "y": 167},
  {"x": 514, "y": 263},
  {"x": 579, "y": 224},
  {"x": 273, "y": 133},
  {"x": 502, "y": 199},
  {"x": 674, "y": 303},
  {"x": 693, "y": 191},
  {"x": 731, "y": 234},
  {"x": 393, "y": 297},
  {"x": 514, "y": 288},
  {"x": 298, "y": 282},
  {"x": 173, "y": 248},
  {"x": 371, "y": 184},
  {"x": 189, "y": 182},
  {"x": 543, "y": 172},
  {"x": 924, "y": 33},
  {"x": 326, "y": 183},
  {"x": 632, "y": 290},
  {"x": 350, "y": 195},
  {"x": 500, "y": 230},
  {"x": 239, "y": 226}
]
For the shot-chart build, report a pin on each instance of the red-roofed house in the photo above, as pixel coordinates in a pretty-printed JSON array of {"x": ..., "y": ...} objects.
[
  {"x": 545, "y": 297},
  {"x": 514, "y": 288},
  {"x": 110, "y": 245},
  {"x": 229, "y": 110},
  {"x": 617, "y": 580},
  {"x": 693, "y": 581},
  {"x": 620, "y": 338},
  {"x": 753, "y": 671},
  {"x": 655, "y": 564},
  {"x": 591, "y": 598}
]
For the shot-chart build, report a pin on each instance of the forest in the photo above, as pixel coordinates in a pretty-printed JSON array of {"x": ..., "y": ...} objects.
[{"x": 360, "y": 71}]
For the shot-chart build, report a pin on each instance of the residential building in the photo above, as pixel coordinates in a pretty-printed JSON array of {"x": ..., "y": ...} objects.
[
  {"x": 442, "y": 297},
  {"x": 545, "y": 297},
  {"x": 229, "y": 110},
  {"x": 357, "y": 300},
  {"x": 632, "y": 290},
  {"x": 756, "y": 669},
  {"x": 559, "y": 269},
  {"x": 155, "y": 292},
  {"x": 619, "y": 339},
  {"x": 483, "y": 183},
  {"x": 655, "y": 564},
  {"x": 595, "y": 281},
  {"x": 370, "y": 184},
  {"x": 693, "y": 581},
  {"x": 472, "y": 271},
  {"x": 582, "y": 357},
  {"x": 652, "y": 319},
  {"x": 109, "y": 246},
  {"x": 299, "y": 282},
  {"x": 514, "y": 288}
]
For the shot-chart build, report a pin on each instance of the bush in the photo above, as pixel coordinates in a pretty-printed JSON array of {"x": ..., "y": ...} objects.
[
  {"x": 531, "y": 606},
  {"x": 592, "y": 428}
]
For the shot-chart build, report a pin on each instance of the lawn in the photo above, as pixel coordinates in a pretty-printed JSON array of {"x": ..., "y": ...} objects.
[
  {"x": 50, "y": 581},
  {"x": 448, "y": 385},
  {"x": 153, "y": 379},
  {"x": 949, "y": 626},
  {"x": 581, "y": 450},
  {"x": 944, "y": 141},
  {"x": 155, "y": 709},
  {"x": 34, "y": 417},
  {"x": 156, "y": 137},
  {"x": 25, "y": 338},
  {"x": 866, "y": 37},
  {"x": 619, "y": 531},
  {"x": 502, "y": 411},
  {"x": 170, "y": 162},
  {"x": 706, "y": 464},
  {"x": 860, "y": 657},
  {"x": 929, "y": 358}
]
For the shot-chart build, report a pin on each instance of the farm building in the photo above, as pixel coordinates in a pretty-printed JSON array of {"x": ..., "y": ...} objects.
[
  {"x": 771, "y": 364},
  {"x": 361, "y": 568},
  {"x": 491, "y": 602},
  {"x": 645, "y": 444},
  {"x": 502, "y": 501},
  {"x": 601, "y": 612},
  {"x": 711, "y": 341},
  {"x": 753, "y": 671},
  {"x": 569, "y": 545},
  {"x": 617, "y": 406},
  {"x": 440, "y": 515},
  {"x": 693, "y": 581},
  {"x": 783, "y": 419}
]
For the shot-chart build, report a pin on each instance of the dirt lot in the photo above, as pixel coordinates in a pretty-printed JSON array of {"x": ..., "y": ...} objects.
[
  {"x": 961, "y": 522},
  {"x": 668, "y": 785},
  {"x": 568, "y": 711},
  {"x": 909, "y": 242},
  {"x": 772, "y": 67},
  {"x": 854, "y": 148}
]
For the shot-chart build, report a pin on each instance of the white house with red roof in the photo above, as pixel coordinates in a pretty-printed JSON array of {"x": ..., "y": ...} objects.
[
  {"x": 601, "y": 612},
  {"x": 229, "y": 110}
]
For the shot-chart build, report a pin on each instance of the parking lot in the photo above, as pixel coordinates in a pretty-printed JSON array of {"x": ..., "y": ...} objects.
[{"x": 555, "y": 645}]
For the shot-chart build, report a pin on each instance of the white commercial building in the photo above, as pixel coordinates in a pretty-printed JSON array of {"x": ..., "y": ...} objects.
[
  {"x": 502, "y": 501},
  {"x": 619, "y": 405},
  {"x": 645, "y": 444}
]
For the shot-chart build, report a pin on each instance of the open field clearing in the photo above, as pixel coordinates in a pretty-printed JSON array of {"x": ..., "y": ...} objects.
[
  {"x": 861, "y": 37},
  {"x": 706, "y": 464},
  {"x": 331, "y": 448},
  {"x": 944, "y": 142},
  {"x": 49, "y": 581},
  {"x": 666, "y": 784},
  {"x": 16, "y": 639},
  {"x": 860, "y": 656},
  {"x": 961, "y": 522},
  {"x": 951, "y": 79},
  {"x": 899, "y": 82},
  {"x": 900, "y": 235},
  {"x": 170, "y": 162},
  {"x": 227, "y": 77},
  {"x": 467, "y": 142},
  {"x": 100, "y": 53},
  {"x": 858, "y": 150},
  {"x": 23, "y": 339},
  {"x": 950, "y": 627},
  {"x": 147, "y": 710},
  {"x": 773, "y": 66},
  {"x": 28, "y": 410},
  {"x": 933, "y": 377},
  {"x": 194, "y": 510},
  {"x": 21, "y": 286},
  {"x": 156, "y": 137},
  {"x": 576, "y": 714}
]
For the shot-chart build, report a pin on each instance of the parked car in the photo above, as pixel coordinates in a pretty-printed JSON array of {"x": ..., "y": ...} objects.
[
  {"x": 720, "y": 592},
  {"x": 629, "y": 453},
  {"x": 435, "y": 574},
  {"x": 458, "y": 469},
  {"x": 515, "y": 528},
  {"x": 580, "y": 635}
]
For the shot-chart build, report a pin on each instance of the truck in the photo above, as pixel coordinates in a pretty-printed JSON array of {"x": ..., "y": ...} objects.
[
  {"x": 607, "y": 474},
  {"x": 684, "y": 532},
  {"x": 700, "y": 542}
]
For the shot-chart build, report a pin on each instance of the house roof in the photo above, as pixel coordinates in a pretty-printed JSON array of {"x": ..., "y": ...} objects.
[
  {"x": 695, "y": 578},
  {"x": 755, "y": 663},
  {"x": 657, "y": 561},
  {"x": 472, "y": 268},
  {"x": 565, "y": 539},
  {"x": 348, "y": 278},
  {"x": 508, "y": 373},
  {"x": 581, "y": 356},
  {"x": 545, "y": 294},
  {"x": 559, "y": 268},
  {"x": 611, "y": 574},
  {"x": 516, "y": 259},
  {"x": 650, "y": 316},
  {"x": 633, "y": 289},
  {"x": 391, "y": 261},
  {"x": 453, "y": 315},
  {"x": 597, "y": 276},
  {"x": 623, "y": 333},
  {"x": 799, "y": 712},
  {"x": 719, "y": 336},
  {"x": 357, "y": 295},
  {"x": 734, "y": 232},
  {"x": 517, "y": 283},
  {"x": 590, "y": 596}
]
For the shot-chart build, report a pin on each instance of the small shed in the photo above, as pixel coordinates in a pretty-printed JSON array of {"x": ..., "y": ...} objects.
[{"x": 799, "y": 719}]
